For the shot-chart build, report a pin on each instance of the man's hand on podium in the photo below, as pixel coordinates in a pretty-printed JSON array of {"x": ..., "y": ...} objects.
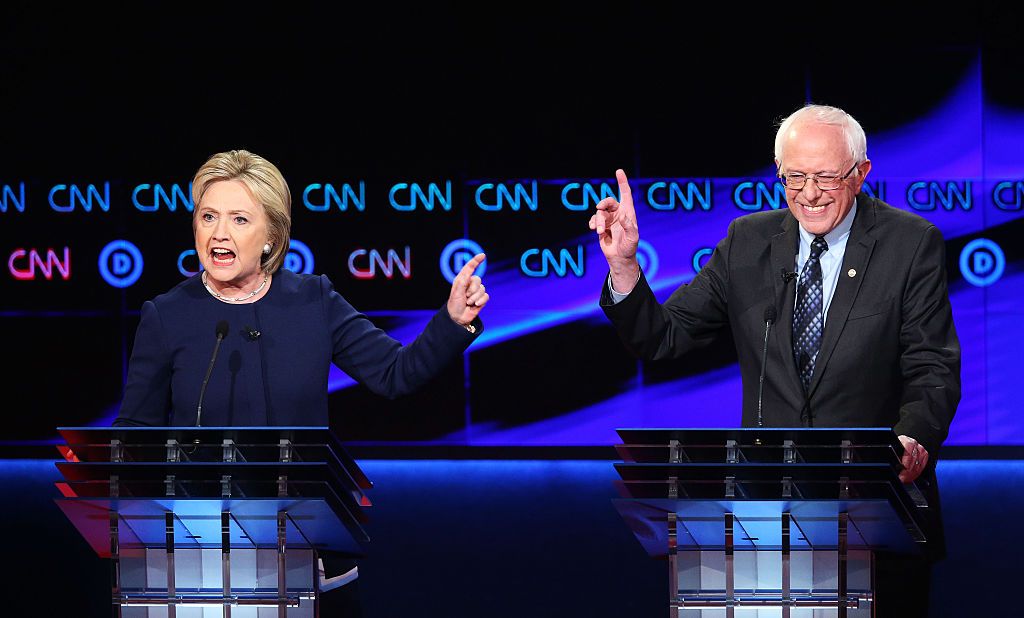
[{"x": 914, "y": 460}]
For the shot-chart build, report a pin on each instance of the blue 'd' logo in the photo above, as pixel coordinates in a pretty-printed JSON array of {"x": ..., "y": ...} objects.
[
  {"x": 455, "y": 255},
  {"x": 701, "y": 257},
  {"x": 120, "y": 263},
  {"x": 647, "y": 257},
  {"x": 982, "y": 262},
  {"x": 299, "y": 258},
  {"x": 187, "y": 255}
]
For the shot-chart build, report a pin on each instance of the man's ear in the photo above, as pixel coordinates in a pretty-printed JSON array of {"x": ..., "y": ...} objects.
[{"x": 862, "y": 169}]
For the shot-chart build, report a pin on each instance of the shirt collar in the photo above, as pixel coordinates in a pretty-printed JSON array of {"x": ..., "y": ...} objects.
[{"x": 841, "y": 231}]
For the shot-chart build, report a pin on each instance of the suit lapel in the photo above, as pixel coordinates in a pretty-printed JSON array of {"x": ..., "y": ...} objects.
[
  {"x": 784, "y": 249},
  {"x": 858, "y": 252}
]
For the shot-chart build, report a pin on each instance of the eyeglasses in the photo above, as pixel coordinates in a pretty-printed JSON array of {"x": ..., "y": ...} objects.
[{"x": 825, "y": 182}]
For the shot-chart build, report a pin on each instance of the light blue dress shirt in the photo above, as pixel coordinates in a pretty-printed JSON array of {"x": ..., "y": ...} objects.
[{"x": 831, "y": 260}]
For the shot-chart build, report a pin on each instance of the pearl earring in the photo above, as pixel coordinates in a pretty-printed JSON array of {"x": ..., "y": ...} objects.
[{"x": 266, "y": 249}]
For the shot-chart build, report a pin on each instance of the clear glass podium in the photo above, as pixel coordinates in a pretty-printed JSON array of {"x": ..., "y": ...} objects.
[
  {"x": 786, "y": 522},
  {"x": 226, "y": 521}
]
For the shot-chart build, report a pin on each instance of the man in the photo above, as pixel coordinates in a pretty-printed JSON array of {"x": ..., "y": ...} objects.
[{"x": 865, "y": 339}]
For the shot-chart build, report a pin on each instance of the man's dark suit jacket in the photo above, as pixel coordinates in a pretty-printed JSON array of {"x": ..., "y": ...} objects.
[{"x": 889, "y": 354}]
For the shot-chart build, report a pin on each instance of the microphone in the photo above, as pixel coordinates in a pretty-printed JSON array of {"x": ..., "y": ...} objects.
[
  {"x": 788, "y": 276},
  {"x": 769, "y": 319},
  {"x": 251, "y": 333},
  {"x": 222, "y": 331}
]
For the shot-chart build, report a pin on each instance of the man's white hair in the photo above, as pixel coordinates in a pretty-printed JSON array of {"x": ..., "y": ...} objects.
[{"x": 856, "y": 141}]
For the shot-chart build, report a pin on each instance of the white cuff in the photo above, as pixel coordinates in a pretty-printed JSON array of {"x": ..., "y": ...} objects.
[{"x": 618, "y": 297}]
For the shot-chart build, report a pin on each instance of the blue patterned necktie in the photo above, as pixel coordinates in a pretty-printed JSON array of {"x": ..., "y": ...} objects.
[{"x": 808, "y": 315}]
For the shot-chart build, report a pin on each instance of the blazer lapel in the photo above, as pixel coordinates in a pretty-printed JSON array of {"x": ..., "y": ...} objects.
[
  {"x": 858, "y": 252},
  {"x": 783, "y": 256}
]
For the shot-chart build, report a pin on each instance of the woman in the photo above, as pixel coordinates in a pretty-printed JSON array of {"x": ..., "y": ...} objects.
[{"x": 283, "y": 329}]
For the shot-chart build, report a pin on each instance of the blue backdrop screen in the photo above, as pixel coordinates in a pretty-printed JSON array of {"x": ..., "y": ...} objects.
[{"x": 395, "y": 185}]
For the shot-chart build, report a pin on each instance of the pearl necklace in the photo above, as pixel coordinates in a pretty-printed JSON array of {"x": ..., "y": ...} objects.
[{"x": 233, "y": 300}]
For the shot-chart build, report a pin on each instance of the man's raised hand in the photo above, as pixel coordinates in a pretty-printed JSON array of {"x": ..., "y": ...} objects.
[{"x": 618, "y": 235}]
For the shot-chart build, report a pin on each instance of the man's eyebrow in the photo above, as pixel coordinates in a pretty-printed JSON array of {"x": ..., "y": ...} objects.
[{"x": 815, "y": 173}]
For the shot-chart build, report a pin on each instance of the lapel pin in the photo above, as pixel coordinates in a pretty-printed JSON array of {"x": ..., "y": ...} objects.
[{"x": 852, "y": 272}]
